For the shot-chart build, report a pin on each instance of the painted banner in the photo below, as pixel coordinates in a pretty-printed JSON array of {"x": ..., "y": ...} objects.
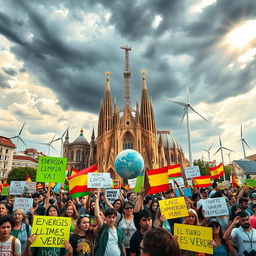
[
  {"x": 192, "y": 171},
  {"x": 187, "y": 192},
  {"x": 173, "y": 208},
  {"x": 99, "y": 180},
  {"x": 179, "y": 180},
  {"x": 250, "y": 183},
  {"x": 5, "y": 191},
  {"x": 23, "y": 203},
  {"x": 50, "y": 231},
  {"x": 51, "y": 169},
  {"x": 215, "y": 207},
  {"x": 112, "y": 194},
  {"x": 194, "y": 238},
  {"x": 17, "y": 187}
]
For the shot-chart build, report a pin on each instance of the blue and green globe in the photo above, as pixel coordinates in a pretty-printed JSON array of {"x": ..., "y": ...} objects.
[{"x": 129, "y": 164}]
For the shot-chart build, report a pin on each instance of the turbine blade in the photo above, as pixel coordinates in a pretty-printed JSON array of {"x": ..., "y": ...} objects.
[
  {"x": 65, "y": 132},
  {"x": 57, "y": 139},
  {"x": 228, "y": 149},
  {"x": 183, "y": 115},
  {"x": 14, "y": 137},
  {"x": 21, "y": 128},
  {"x": 180, "y": 103},
  {"x": 52, "y": 147},
  {"x": 210, "y": 148},
  {"x": 246, "y": 144},
  {"x": 217, "y": 151},
  {"x": 52, "y": 139},
  {"x": 197, "y": 113},
  {"x": 23, "y": 141},
  {"x": 241, "y": 131},
  {"x": 188, "y": 93}
]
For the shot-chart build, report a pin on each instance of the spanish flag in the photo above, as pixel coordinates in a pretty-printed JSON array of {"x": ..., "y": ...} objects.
[
  {"x": 158, "y": 180},
  {"x": 39, "y": 186},
  {"x": 234, "y": 180},
  {"x": 203, "y": 181},
  {"x": 78, "y": 182},
  {"x": 28, "y": 179},
  {"x": 73, "y": 171},
  {"x": 217, "y": 171},
  {"x": 174, "y": 171},
  {"x": 116, "y": 184}
]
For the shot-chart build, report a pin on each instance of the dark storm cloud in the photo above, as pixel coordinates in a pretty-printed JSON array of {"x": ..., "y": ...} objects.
[
  {"x": 3, "y": 82},
  {"x": 10, "y": 71}
]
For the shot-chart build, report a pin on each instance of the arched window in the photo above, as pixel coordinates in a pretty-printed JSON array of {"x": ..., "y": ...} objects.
[
  {"x": 72, "y": 155},
  {"x": 78, "y": 156},
  {"x": 128, "y": 141}
]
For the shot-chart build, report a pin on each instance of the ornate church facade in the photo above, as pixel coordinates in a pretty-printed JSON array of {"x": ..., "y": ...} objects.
[{"x": 125, "y": 129}]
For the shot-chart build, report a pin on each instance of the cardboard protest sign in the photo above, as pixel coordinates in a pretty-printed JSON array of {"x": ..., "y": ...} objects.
[
  {"x": 112, "y": 194},
  {"x": 132, "y": 183},
  {"x": 51, "y": 169},
  {"x": 29, "y": 187},
  {"x": 99, "y": 180},
  {"x": 187, "y": 192},
  {"x": 192, "y": 171},
  {"x": 250, "y": 183},
  {"x": 23, "y": 203},
  {"x": 194, "y": 238},
  {"x": 5, "y": 191},
  {"x": 179, "y": 180},
  {"x": 173, "y": 208},
  {"x": 215, "y": 207},
  {"x": 50, "y": 231},
  {"x": 17, "y": 187}
]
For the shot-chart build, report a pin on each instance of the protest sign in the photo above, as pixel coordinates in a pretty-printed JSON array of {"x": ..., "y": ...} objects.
[
  {"x": 132, "y": 183},
  {"x": 250, "y": 183},
  {"x": 179, "y": 180},
  {"x": 173, "y": 208},
  {"x": 51, "y": 169},
  {"x": 215, "y": 207},
  {"x": 187, "y": 192},
  {"x": 99, "y": 180},
  {"x": 5, "y": 191},
  {"x": 192, "y": 171},
  {"x": 30, "y": 187},
  {"x": 112, "y": 194},
  {"x": 50, "y": 231},
  {"x": 17, "y": 187},
  {"x": 23, "y": 203},
  {"x": 194, "y": 238}
]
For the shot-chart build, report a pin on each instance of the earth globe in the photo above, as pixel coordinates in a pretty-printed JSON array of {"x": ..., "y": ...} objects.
[{"x": 129, "y": 164}]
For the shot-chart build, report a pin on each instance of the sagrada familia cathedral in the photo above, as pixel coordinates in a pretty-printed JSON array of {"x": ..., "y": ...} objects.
[{"x": 126, "y": 129}]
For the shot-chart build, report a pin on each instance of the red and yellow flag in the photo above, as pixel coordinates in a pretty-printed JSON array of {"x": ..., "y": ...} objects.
[
  {"x": 116, "y": 184},
  {"x": 234, "y": 180},
  {"x": 73, "y": 171},
  {"x": 217, "y": 171},
  {"x": 203, "y": 181},
  {"x": 158, "y": 180},
  {"x": 174, "y": 171},
  {"x": 28, "y": 179}
]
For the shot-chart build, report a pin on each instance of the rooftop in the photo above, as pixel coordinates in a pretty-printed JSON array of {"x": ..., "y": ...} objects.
[
  {"x": 4, "y": 141},
  {"x": 249, "y": 167}
]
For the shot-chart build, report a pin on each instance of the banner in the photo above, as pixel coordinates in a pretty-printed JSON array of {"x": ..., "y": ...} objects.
[
  {"x": 29, "y": 187},
  {"x": 23, "y": 203},
  {"x": 250, "y": 183},
  {"x": 99, "y": 180},
  {"x": 50, "y": 231},
  {"x": 5, "y": 191},
  {"x": 192, "y": 171},
  {"x": 194, "y": 238},
  {"x": 173, "y": 208},
  {"x": 51, "y": 169},
  {"x": 215, "y": 207},
  {"x": 112, "y": 194},
  {"x": 17, "y": 187},
  {"x": 187, "y": 192}
]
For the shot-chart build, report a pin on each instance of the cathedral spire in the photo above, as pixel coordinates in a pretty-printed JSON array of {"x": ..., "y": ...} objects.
[
  {"x": 107, "y": 106},
  {"x": 67, "y": 136}
]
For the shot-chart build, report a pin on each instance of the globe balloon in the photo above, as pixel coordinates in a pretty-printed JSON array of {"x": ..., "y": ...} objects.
[{"x": 129, "y": 164}]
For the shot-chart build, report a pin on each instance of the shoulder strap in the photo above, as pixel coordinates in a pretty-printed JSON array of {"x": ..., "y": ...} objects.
[
  {"x": 27, "y": 230},
  {"x": 13, "y": 244},
  {"x": 119, "y": 220}
]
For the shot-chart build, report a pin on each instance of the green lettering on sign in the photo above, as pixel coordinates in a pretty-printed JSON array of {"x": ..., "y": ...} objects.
[{"x": 5, "y": 191}]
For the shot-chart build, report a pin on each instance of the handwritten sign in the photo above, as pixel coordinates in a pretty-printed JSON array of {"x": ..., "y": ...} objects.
[
  {"x": 51, "y": 231},
  {"x": 29, "y": 187},
  {"x": 51, "y": 169},
  {"x": 112, "y": 194},
  {"x": 17, "y": 187},
  {"x": 23, "y": 203},
  {"x": 192, "y": 171},
  {"x": 99, "y": 180},
  {"x": 250, "y": 183},
  {"x": 132, "y": 183},
  {"x": 215, "y": 207},
  {"x": 187, "y": 192},
  {"x": 5, "y": 191},
  {"x": 173, "y": 208},
  {"x": 194, "y": 238},
  {"x": 179, "y": 180}
]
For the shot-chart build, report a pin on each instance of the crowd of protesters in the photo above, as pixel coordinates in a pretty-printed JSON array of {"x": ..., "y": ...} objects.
[{"x": 131, "y": 225}]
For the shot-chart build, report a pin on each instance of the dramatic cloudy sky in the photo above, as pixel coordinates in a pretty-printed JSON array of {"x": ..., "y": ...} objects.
[{"x": 53, "y": 55}]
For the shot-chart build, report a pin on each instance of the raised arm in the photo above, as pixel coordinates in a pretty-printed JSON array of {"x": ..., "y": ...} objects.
[
  {"x": 97, "y": 214},
  {"x": 227, "y": 233}
]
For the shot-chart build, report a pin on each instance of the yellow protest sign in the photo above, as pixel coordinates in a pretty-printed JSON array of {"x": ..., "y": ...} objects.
[
  {"x": 173, "y": 208},
  {"x": 194, "y": 238},
  {"x": 50, "y": 231}
]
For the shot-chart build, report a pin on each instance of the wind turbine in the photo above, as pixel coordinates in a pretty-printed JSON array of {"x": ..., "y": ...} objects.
[
  {"x": 49, "y": 144},
  {"x": 61, "y": 139},
  {"x": 208, "y": 151},
  {"x": 221, "y": 150},
  {"x": 229, "y": 158},
  {"x": 243, "y": 142},
  {"x": 19, "y": 136},
  {"x": 186, "y": 107}
]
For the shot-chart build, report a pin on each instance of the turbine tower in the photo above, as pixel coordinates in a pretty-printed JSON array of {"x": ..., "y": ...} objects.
[
  {"x": 127, "y": 76},
  {"x": 208, "y": 152},
  {"x": 243, "y": 142},
  {"x": 61, "y": 139},
  {"x": 18, "y": 137},
  {"x": 229, "y": 158},
  {"x": 186, "y": 107}
]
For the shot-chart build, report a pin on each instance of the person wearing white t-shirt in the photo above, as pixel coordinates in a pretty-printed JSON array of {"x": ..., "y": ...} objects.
[{"x": 9, "y": 245}]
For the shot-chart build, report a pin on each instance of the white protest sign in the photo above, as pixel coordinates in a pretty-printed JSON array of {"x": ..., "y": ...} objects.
[
  {"x": 132, "y": 183},
  {"x": 23, "y": 203},
  {"x": 215, "y": 207},
  {"x": 17, "y": 187},
  {"x": 30, "y": 187},
  {"x": 112, "y": 194},
  {"x": 192, "y": 171},
  {"x": 179, "y": 180},
  {"x": 99, "y": 180}
]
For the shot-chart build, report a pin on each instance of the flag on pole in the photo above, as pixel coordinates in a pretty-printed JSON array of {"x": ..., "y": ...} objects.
[
  {"x": 78, "y": 182},
  {"x": 28, "y": 179},
  {"x": 158, "y": 180},
  {"x": 203, "y": 181},
  {"x": 217, "y": 171},
  {"x": 234, "y": 180},
  {"x": 174, "y": 171}
]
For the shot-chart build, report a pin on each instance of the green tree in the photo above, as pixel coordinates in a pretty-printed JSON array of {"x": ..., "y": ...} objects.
[
  {"x": 20, "y": 173},
  {"x": 203, "y": 166}
]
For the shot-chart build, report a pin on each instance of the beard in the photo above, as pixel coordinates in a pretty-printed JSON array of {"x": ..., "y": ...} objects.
[{"x": 247, "y": 225}]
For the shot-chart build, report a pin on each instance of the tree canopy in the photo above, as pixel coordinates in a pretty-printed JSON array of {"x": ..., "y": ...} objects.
[{"x": 20, "y": 173}]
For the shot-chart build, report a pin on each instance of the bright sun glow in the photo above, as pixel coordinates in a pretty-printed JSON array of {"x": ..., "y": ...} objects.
[{"x": 242, "y": 36}]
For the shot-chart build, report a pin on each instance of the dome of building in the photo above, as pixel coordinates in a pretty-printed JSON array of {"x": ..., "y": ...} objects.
[
  {"x": 80, "y": 138},
  {"x": 168, "y": 139}
]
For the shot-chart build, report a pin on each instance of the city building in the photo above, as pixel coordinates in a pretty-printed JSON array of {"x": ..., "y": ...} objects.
[{"x": 6, "y": 156}]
